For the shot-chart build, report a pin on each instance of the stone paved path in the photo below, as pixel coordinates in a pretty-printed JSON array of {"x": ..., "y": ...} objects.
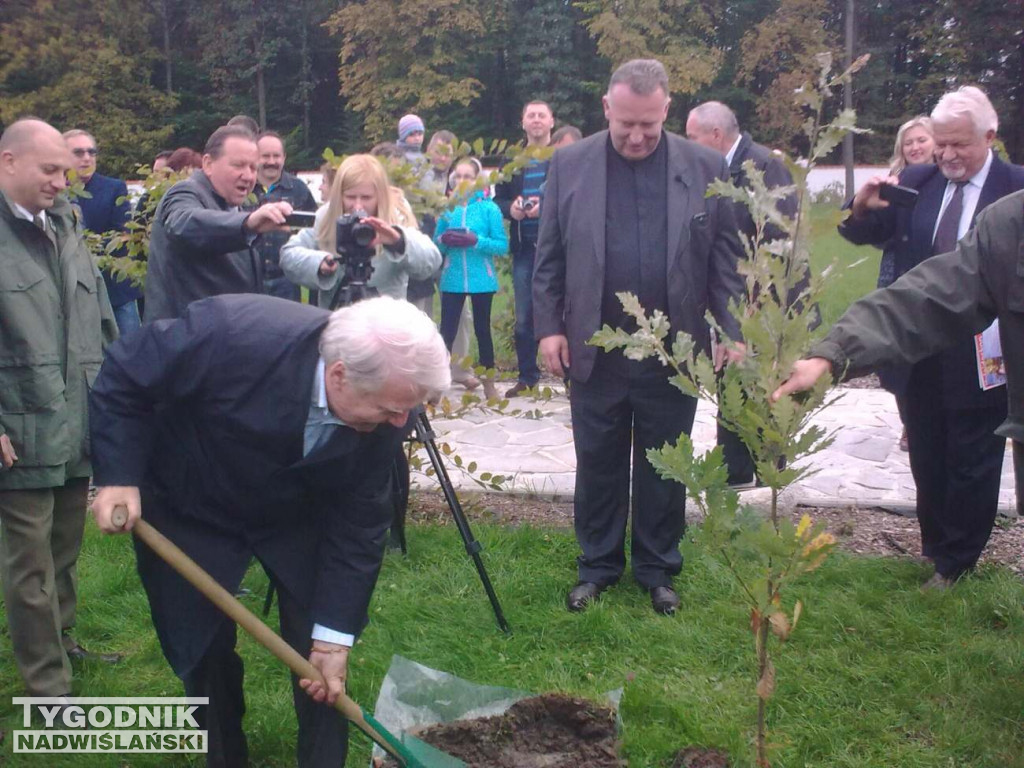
[{"x": 864, "y": 466}]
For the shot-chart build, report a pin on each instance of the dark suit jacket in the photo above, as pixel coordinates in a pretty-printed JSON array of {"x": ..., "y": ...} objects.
[
  {"x": 102, "y": 213},
  {"x": 703, "y": 247},
  {"x": 909, "y": 232},
  {"x": 775, "y": 175},
  {"x": 197, "y": 249},
  {"x": 206, "y": 414}
]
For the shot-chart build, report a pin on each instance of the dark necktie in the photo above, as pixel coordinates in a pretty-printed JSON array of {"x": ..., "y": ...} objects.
[{"x": 949, "y": 224}]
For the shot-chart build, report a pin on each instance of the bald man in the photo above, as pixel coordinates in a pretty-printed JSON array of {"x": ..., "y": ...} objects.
[{"x": 56, "y": 321}]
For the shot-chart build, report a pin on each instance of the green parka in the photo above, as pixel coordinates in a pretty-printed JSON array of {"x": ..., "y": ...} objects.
[{"x": 55, "y": 319}]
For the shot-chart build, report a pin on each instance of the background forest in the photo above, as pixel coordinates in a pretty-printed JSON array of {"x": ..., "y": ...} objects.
[{"x": 145, "y": 75}]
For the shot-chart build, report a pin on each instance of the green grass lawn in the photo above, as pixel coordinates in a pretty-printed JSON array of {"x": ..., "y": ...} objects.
[{"x": 877, "y": 673}]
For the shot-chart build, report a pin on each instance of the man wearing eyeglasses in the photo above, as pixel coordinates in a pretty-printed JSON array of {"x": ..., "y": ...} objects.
[{"x": 106, "y": 209}]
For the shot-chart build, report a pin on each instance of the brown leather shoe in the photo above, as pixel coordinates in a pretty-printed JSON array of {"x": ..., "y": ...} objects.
[
  {"x": 78, "y": 653},
  {"x": 582, "y": 595},
  {"x": 664, "y": 600}
]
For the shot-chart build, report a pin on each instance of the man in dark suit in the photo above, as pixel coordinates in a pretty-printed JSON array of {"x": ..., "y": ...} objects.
[
  {"x": 626, "y": 211},
  {"x": 715, "y": 126},
  {"x": 105, "y": 209},
  {"x": 254, "y": 426},
  {"x": 955, "y": 456},
  {"x": 202, "y": 240},
  {"x": 274, "y": 183}
]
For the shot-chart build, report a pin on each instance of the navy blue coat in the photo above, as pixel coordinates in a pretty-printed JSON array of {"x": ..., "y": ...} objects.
[
  {"x": 909, "y": 232},
  {"x": 206, "y": 415},
  {"x": 103, "y": 213}
]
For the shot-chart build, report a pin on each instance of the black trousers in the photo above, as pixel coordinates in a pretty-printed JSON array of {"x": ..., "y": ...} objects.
[
  {"x": 736, "y": 456},
  {"x": 956, "y": 460},
  {"x": 451, "y": 313},
  {"x": 624, "y": 408},
  {"x": 323, "y": 732}
]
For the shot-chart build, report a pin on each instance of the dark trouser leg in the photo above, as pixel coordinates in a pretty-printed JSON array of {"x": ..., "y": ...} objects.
[
  {"x": 926, "y": 434},
  {"x": 974, "y": 464},
  {"x": 219, "y": 675},
  {"x": 736, "y": 456},
  {"x": 282, "y": 288},
  {"x": 69, "y": 504},
  {"x": 526, "y": 344},
  {"x": 661, "y": 413},
  {"x": 482, "y": 327},
  {"x": 30, "y": 592},
  {"x": 601, "y": 428},
  {"x": 323, "y": 732},
  {"x": 451, "y": 312}
]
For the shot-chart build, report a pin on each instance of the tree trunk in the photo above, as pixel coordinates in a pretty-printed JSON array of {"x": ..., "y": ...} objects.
[
  {"x": 307, "y": 75},
  {"x": 261, "y": 97},
  {"x": 762, "y": 668},
  {"x": 164, "y": 12},
  {"x": 848, "y": 104}
]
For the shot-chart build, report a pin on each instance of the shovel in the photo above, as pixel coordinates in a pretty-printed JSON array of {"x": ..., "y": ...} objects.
[{"x": 409, "y": 751}]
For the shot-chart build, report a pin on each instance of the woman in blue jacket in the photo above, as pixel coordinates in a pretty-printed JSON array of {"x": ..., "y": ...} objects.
[{"x": 470, "y": 236}]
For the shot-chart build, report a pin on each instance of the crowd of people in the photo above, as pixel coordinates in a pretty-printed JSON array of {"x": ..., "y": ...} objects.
[{"x": 247, "y": 423}]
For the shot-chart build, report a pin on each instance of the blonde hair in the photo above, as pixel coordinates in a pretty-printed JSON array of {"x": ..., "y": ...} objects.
[
  {"x": 898, "y": 162},
  {"x": 356, "y": 169}
]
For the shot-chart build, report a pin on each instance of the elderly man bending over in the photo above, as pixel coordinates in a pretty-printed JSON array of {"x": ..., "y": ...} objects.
[{"x": 254, "y": 426}]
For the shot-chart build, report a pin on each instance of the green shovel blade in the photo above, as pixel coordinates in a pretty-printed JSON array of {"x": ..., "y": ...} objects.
[{"x": 415, "y": 752}]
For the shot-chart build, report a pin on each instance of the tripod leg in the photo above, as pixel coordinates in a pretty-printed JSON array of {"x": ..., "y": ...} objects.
[{"x": 425, "y": 435}]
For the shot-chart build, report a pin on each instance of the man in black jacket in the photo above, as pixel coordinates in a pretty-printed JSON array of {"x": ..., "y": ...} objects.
[
  {"x": 521, "y": 200},
  {"x": 955, "y": 456},
  {"x": 715, "y": 126},
  {"x": 273, "y": 184},
  {"x": 202, "y": 240},
  {"x": 253, "y": 426}
]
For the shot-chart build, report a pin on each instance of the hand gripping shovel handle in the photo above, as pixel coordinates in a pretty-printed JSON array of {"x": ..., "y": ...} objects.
[{"x": 263, "y": 634}]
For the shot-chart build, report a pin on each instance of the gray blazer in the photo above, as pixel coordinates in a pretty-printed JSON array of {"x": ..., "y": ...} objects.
[
  {"x": 197, "y": 249},
  {"x": 703, "y": 247}
]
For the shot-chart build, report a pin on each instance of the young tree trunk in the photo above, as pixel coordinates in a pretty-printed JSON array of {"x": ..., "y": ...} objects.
[{"x": 762, "y": 701}]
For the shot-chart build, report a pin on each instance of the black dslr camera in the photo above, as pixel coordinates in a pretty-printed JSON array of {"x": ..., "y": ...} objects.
[{"x": 355, "y": 257}]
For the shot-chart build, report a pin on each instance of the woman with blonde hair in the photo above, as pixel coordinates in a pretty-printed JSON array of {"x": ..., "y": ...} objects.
[
  {"x": 915, "y": 145},
  {"x": 402, "y": 251}
]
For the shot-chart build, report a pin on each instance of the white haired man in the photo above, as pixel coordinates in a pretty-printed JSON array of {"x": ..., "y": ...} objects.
[
  {"x": 255, "y": 426},
  {"x": 955, "y": 456}
]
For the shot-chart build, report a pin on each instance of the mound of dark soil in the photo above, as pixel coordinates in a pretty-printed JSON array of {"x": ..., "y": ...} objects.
[
  {"x": 550, "y": 731},
  {"x": 698, "y": 757}
]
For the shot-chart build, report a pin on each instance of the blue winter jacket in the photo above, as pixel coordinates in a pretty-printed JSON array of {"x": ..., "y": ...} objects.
[{"x": 471, "y": 270}]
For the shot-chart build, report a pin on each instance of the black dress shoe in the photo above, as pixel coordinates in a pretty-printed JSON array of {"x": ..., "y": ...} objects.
[
  {"x": 664, "y": 600},
  {"x": 582, "y": 595},
  {"x": 78, "y": 653}
]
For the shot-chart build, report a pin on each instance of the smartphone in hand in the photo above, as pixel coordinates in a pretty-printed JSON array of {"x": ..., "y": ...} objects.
[
  {"x": 300, "y": 219},
  {"x": 902, "y": 197}
]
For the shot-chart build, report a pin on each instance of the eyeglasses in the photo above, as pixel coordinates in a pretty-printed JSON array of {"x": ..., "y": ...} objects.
[{"x": 91, "y": 152}]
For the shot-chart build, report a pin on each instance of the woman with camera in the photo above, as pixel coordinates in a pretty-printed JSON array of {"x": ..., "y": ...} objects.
[
  {"x": 310, "y": 257},
  {"x": 470, "y": 237}
]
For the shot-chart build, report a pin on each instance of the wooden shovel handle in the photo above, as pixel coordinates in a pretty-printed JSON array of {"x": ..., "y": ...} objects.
[{"x": 242, "y": 616}]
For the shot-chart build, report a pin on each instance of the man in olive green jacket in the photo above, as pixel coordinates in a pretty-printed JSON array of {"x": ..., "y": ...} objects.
[
  {"x": 939, "y": 302},
  {"x": 55, "y": 320}
]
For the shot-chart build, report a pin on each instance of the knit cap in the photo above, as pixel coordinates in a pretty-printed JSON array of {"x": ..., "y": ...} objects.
[{"x": 409, "y": 124}]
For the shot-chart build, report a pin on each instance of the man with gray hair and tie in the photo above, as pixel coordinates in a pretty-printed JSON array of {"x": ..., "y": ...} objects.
[
  {"x": 955, "y": 456},
  {"x": 255, "y": 427},
  {"x": 715, "y": 126}
]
